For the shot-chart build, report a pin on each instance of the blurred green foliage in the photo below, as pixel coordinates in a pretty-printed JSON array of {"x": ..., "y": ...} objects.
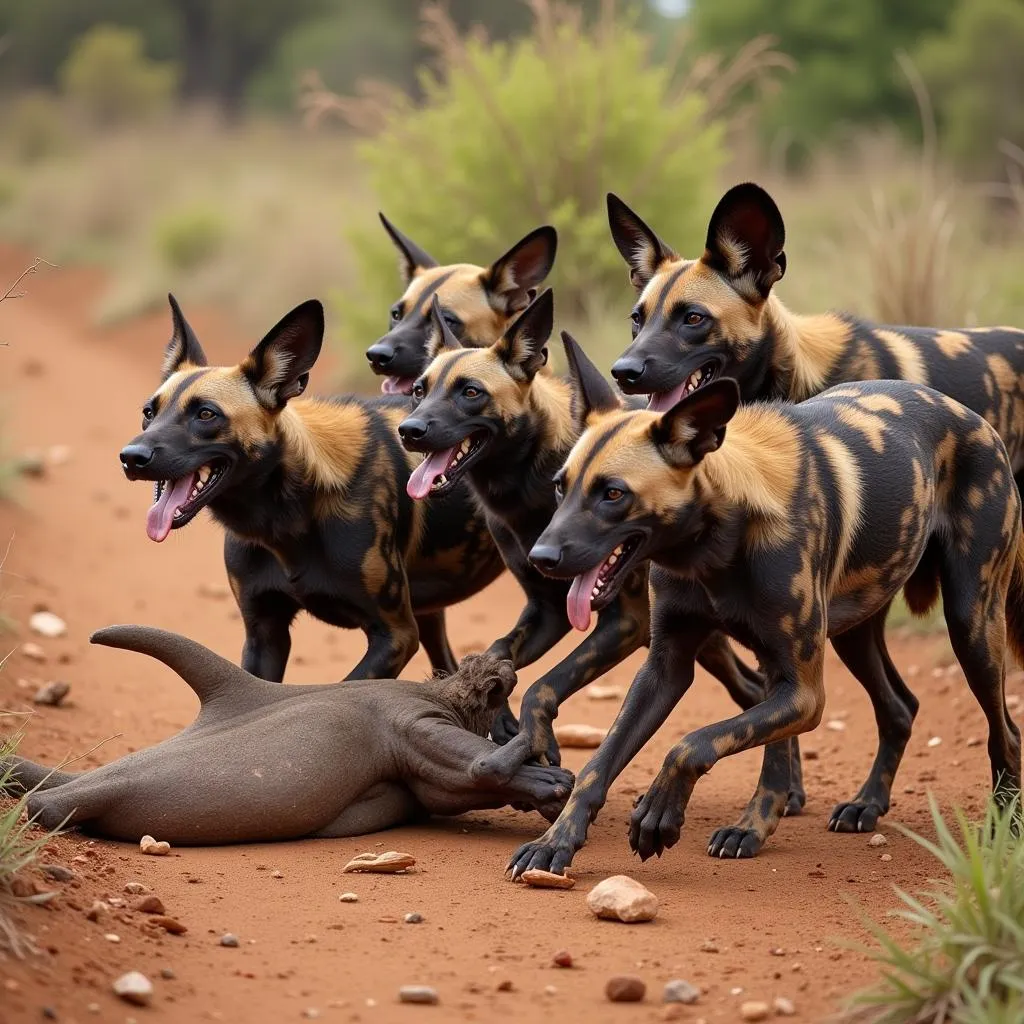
[
  {"x": 514, "y": 135},
  {"x": 35, "y": 127},
  {"x": 189, "y": 237}
]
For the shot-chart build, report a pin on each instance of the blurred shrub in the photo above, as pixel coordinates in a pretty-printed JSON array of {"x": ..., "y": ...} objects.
[
  {"x": 514, "y": 135},
  {"x": 109, "y": 76},
  {"x": 35, "y": 127},
  {"x": 189, "y": 237},
  {"x": 975, "y": 70}
]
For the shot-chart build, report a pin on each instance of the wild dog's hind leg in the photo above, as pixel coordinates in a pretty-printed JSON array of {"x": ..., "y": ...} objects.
[
  {"x": 434, "y": 638},
  {"x": 863, "y": 651}
]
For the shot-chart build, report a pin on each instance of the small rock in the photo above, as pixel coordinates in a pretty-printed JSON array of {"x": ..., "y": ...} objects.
[
  {"x": 584, "y": 737},
  {"x": 111, "y": 937},
  {"x": 96, "y": 911},
  {"x": 348, "y": 897},
  {"x": 136, "y": 888},
  {"x": 886, "y": 857},
  {"x": 167, "y": 974},
  {"x": 810, "y": 755},
  {"x": 93, "y": 1007},
  {"x": 149, "y": 905},
  {"x": 49, "y": 1013},
  {"x": 169, "y": 924},
  {"x": 229, "y": 940},
  {"x": 33, "y": 651},
  {"x": 505, "y": 985},
  {"x": 215, "y": 591},
  {"x": 47, "y": 624},
  {"x": 563, "y": 958},
  {"x": 935, "y": 741},
  {"x": 547, "y": 879},
  {"x": 414, "y": 918},
  {"x": 679, "y": 991},
  {"x": 754, "y": 1011},
  {"x": 418, "y": 994},
  {"x": 550, "y": 990},
  {"x": 147, "y": 844},
  {"x": 311, "y": 1013},
  {"x": 52, "y": 694},
  {"x": 672, "y": 1011},
  {"x": 973, "y": 741},
  {"x": 625, "y": 988},
  {"x": 621, "y": 898},
  {"x": 783, "y": 1007},
  {"x": 597, "y": 692},
  {"x": 58, "y": 454},
  {"x": 134, "y": 988},
  {"x": 57, "y": 873},
  {"x": 380, "y": 863},
  {"x": 277, "y": 874},
  {"x": 836, "y": 725},
  {"x": 878, "y": 840},
  {"x": 709, "y": 946}
]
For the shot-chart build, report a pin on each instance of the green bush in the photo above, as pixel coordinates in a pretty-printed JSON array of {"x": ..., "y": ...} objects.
[
  {"x": 967, "y": 964},
  {"x": 514, "y": 135},
  {"x": 190, "y": 237},
  {"x": 109, "y": 76},
  {"x": 35, "y": 127}
]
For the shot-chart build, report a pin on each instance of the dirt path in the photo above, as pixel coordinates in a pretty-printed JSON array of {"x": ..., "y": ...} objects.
[{"x": 80, "y": 549}]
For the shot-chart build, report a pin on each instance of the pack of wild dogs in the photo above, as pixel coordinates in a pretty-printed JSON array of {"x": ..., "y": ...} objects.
[{"x": 755, "y": 474}]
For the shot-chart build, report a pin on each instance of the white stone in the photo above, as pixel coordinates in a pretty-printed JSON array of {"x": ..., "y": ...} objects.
[{"x": 621, "y": 898}]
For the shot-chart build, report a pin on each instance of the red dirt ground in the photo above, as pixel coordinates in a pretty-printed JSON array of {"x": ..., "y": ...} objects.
[{"x": 79, "y": 548}]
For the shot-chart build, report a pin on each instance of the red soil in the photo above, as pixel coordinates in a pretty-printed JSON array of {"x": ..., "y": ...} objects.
[{"x": 79, "y": 548}]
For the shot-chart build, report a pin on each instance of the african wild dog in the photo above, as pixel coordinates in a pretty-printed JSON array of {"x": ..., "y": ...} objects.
[
  {"x": 311, "y": 493},
  {"x": 798, "y": 525},
  {"x": 717, "y": 316},
  {"x": 488, "y": 416},
  {"x": 477, "y": 303}
]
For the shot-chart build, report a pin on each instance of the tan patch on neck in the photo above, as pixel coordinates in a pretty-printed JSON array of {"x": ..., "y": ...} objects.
[
  {"x": 907, "y": 355},
  {"x": 953, "y": 343},
  {"x": 808, "y": 347},
  {"x": 323, "y": 442}
]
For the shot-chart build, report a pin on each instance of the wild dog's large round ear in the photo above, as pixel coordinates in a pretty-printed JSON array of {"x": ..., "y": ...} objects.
[
  {"x": 441, "y": 335},
  {"x": 745, "y": 241},
  {"x": 278, "y": 367},
  {"x": 511, "y": 277},
  {"x": 591, "y": 392},
  {"x": 523, "y": 346},
  {"x": 640, "y": 247},
  {"x": 183, "y": 349},
  {"x": 695, "y": 425},
  {"x": 411, "y": 256}
]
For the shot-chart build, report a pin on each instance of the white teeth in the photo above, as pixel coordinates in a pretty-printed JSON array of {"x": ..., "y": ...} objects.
[
  {"x": 618, "y": 550},
  {"x": 204, "y": 474},
  {"x": 465, "y": 446},
  {"x": 693, "y": 381},
  {"x": 612, "y": 559}
]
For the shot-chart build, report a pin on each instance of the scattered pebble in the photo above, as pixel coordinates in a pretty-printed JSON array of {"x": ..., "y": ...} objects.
[
  {"x": 709, "y": 946},
  {"x": 229, "y": 940},
  {"x": 679, "y": 991},
  {"x": 380, "y": 863},
  {"x": 134, "y": 988},
  {"x": 47, "y": 624},
  {"x": 414, "y": 918},
  {"x": 621, "y": 898},
  {"x": 935, "y": 741},
  {"x": 52, "y": 694},
  {"x": 147, "y": 844},
  {"x": 149, "y": 905},
  {"x": 625, "y": 988},
  {"x": 169, "y": 924},
  {"x": 673, "y": 1011},
  {"x": 216, "y": 591},
  {"x": 93, "y": 1007},
  {"x": 584, "y": 737},
  {"x": 348, "y": 897},
  {"x": 754, "y": 1011},
  {"x": 550, "y": 990},
  {"x": 973, "y": 741},
  {"x": 810, "y": 754},
  {"x": 783, "y": 1007},
  {"x": 167, "y": 974},
  {"x": 311, "y": 1013},
  {"x": 597, "y": 692},
  {"x": 33, "y": 651},
  {"x": 886, "y": 857},
  {"x": 563, "y": 958},
  {"x": 878, "y": 840},
  {"x": 111, "y": 937},
  {"x": 96, "y": 911},
  {"x": 49, "y": 1013},
  {"x": 277, "y": 874},
  {"x": 58, "y": 454},
  {"x": 546, "y": 879},
  {"x": 836, "y": 725},
  {"x": 418, "y": 994},
  {"x": 136, "y": 888},
  {"x": 505, "y": 985},
  {"x": 57, "y": 873}
]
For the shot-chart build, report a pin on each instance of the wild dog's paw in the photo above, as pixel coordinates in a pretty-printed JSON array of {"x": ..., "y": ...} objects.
[
  {"x": 855, "y": 817},
  {"x": 553, "y": 852},
  {"x": 734, "y": 843},
  {"x": 656, "y": 821}
]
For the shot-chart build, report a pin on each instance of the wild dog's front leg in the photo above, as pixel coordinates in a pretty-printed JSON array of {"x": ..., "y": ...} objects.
[
  {"x": 665, "y": 676},
  {"x": 794, "y": 706}
]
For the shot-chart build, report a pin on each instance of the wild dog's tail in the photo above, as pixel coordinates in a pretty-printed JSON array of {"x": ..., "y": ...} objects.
[{"x": 1015, "y": 604}]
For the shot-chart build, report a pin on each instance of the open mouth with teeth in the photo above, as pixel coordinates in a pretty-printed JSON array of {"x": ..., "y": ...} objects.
[
  {"x": 592, "y": 590},
  {"x": 662, "y": 401},
  {"x": 177, "y": 501},
  {"x": 397, "y": 385},
  {"x": 439, "y": 470}
]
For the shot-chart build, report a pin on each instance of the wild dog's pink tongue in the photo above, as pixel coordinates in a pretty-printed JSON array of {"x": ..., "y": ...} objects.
[
  {"x": 397, "y": 385},
  {"x": 160, "y": 518},
  {"x": 662, "y": 401},
  {"x": 426, "y": 474},
  {"x": 577, "y": 604}
]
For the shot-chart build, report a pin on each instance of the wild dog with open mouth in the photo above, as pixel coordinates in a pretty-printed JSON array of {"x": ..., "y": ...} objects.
[
  {"x": 311, "y": 493},
  {"x": 798, "y": 525},
  {"x": 695, "y": 320},
  {"x": 477, "y": 303},
  {"x": 488, "y": 416}
]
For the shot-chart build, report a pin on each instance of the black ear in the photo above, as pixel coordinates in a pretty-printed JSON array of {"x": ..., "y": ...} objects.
[
  {"x": 183, "y": 348},
  {"x": 412, "y": 257},
  {"x": 523, "y": 346},
  {"x": 695, "y": 425},
  {"x": 510, "y": 279},
  {"x": 745, "y": 241},
  {"x": 592, "y": 393},
  {"x": 640, "y": 247},
  {"x": 278, "y": 367},
  {"x": 441, "y": 336}
]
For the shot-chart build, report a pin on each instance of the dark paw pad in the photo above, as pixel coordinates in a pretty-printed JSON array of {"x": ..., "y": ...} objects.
[
  {"x": 734, "y": 843},
  {"x": 656, "y": 823},
  {"x": 854, "y": 817}
]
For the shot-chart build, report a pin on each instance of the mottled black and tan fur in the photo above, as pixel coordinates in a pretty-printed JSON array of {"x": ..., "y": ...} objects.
[
  {"x": 796, "y": 525},
  {"x": 489, "y": 417},
  {"x": 311, "y": 494},
  {"x": 477, "y": 303}
]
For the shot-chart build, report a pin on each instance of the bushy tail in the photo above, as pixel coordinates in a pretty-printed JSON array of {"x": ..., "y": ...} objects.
[{"x": 1015, "y": 605}]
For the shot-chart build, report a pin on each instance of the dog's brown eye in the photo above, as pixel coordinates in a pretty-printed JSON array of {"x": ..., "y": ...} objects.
[
  {"x": 418, "y": 391},
  {"x": 396, "y": 314},
  {"x": 695, "y": 319},
  {"x": 206, "y": 414},
  {"x": 613, "y": 494},
  {"x": 147, "y": 413},
  {"x": 471, "y": 392}
]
